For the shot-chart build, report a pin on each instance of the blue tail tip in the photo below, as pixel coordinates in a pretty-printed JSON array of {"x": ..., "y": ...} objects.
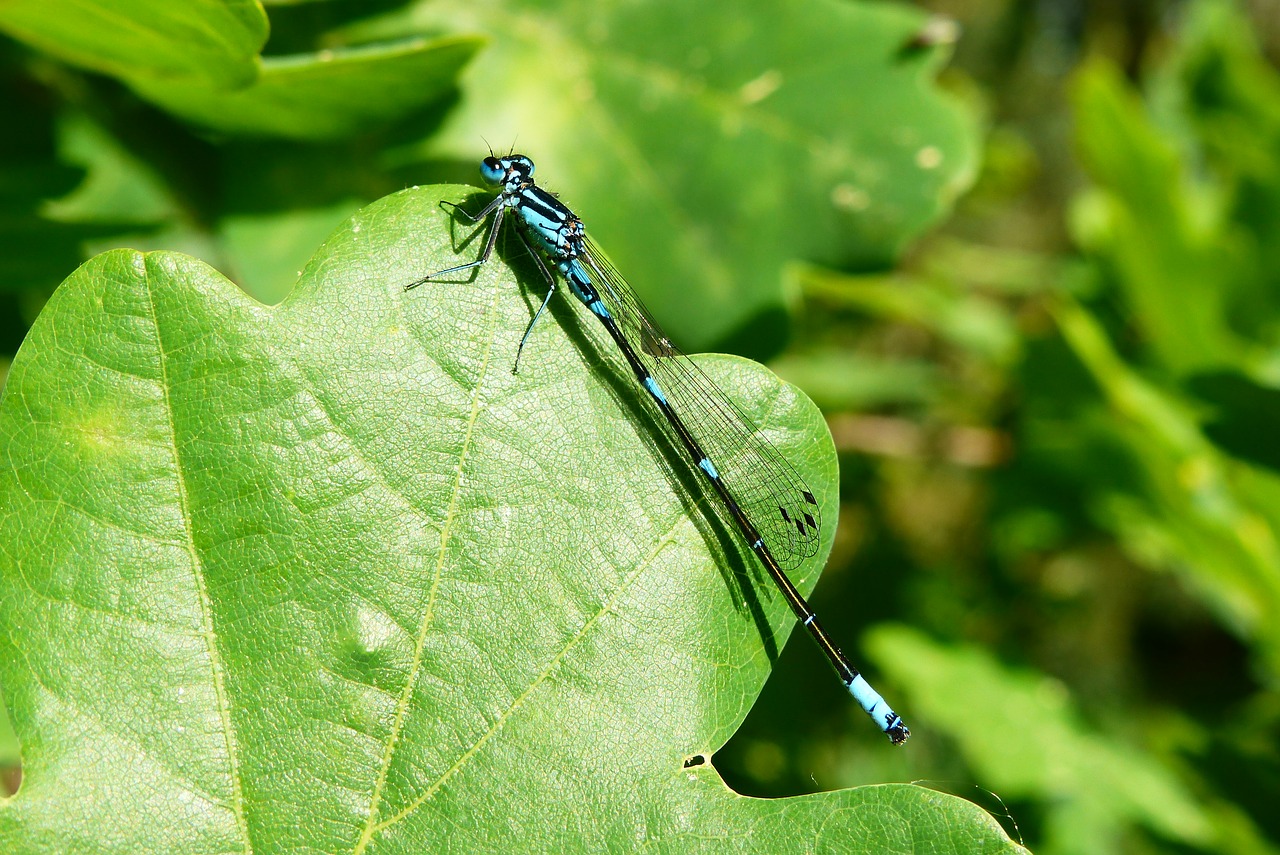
[{"x": 897, "y": 732}]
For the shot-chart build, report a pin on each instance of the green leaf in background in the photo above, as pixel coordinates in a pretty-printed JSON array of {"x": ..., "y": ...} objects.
[
  {"x": 329, "y": 577},
  {"x": 1191, "y": 510},
  {"x": 1224, "y": 88},
  {"x": 328, "y": 95},
  {"x": 1019, "y": 731},
  {"x": 1185, "y": 248},
  {"x": 264, "y": 248},
  {"x": 36, "y": 247},
  {"x": 839, "y": 381},
  {"x": 214, "y": 41},
  {"x": 967, "y": 320},
  {"x": 118, "y": 188},
  {"x": 1159, "y": 230},
  {"x": 707, "y": 147}
]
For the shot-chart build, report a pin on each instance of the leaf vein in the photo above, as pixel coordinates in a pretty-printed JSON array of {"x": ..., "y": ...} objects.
[
  {"x": 542, "y": 677},
  {"x": 206, "y": 604},
  {"x": 406, "y": 696}
]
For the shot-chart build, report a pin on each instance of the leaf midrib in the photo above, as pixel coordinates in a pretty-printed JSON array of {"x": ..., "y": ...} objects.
[
  {"x": 206, "y": 604},
  {"x": 406, "y": 695}
]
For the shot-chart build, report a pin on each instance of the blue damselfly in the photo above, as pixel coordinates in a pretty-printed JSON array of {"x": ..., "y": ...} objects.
[{"x": 768, "y": 501}]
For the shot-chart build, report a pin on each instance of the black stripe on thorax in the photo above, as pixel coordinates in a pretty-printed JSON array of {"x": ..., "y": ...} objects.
[{"x": 545, "y": 204}]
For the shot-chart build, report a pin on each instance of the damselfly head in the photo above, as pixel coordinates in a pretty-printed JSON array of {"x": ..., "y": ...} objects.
[{"x": 502, "y": 170}]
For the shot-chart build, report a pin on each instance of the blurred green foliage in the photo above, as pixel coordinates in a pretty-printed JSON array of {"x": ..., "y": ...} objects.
[
  {"x": 1060, "y": 483},
  {"x": 1075, "y": 501}
]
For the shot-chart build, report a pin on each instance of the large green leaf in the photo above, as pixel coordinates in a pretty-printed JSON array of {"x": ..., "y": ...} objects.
[
  {"x": 709, "y": 143},
  {"x": 201, "y": 61},
  {"x": 215, "y": 41},
  {"x": 329, "y": 577},
  {"x": 321, "y": 96}
]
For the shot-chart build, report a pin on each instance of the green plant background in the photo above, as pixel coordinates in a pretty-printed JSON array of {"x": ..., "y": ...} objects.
[{"x": 1023, "y": 257}]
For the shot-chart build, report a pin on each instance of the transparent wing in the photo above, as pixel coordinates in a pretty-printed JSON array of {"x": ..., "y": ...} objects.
[{"x": 768, "y": 489}]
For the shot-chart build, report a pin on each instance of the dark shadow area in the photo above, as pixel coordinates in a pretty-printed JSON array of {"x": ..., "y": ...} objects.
[
  {"x": 599, "y": 353},
  {"x": 1246, "y": 415},
  {"x": 306, "y": 27},
  {"x": 764, "y": 336},
  {"x": 741, "y": 572}
]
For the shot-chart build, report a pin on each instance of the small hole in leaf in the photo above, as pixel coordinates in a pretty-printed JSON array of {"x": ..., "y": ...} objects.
[
  {"x": 10, "y": 779},
  {"x": 10, "y": 776},
  {"x": 10, "y": 758},
  {"x": 695, "y": 760}
]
